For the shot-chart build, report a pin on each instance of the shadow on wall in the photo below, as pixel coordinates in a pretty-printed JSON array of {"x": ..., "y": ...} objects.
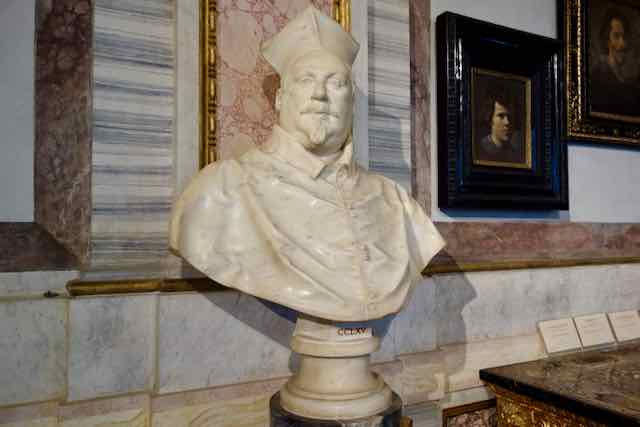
[{"x": 452, "y": 296}]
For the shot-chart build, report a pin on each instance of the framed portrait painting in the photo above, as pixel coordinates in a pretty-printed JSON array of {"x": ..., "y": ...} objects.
[
  {"x": 602, "y": 70},
  {"x": 501, "y": 114},
  {"x": 498, "y": 117}
]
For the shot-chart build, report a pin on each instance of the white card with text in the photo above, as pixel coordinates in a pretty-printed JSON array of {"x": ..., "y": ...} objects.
[
  {"x": 594, "y": 329},
  {"x": 559, "y": 335},
  {"x": 626, "y": 325}
]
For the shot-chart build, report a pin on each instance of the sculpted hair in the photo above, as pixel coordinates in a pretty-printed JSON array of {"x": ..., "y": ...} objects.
[{"x": 605, "y": 28}]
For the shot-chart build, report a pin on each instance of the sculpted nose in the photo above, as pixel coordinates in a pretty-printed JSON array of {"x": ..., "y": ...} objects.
[{"x": 319, "y": 91}]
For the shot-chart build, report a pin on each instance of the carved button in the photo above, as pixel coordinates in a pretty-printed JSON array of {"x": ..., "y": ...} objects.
[
  {"x": 365, "y": 253},
  {"x": 342, "y": 172}
]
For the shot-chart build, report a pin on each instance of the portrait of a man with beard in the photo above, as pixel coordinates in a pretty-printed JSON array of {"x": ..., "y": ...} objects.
[{"x": 614, "y": 68}]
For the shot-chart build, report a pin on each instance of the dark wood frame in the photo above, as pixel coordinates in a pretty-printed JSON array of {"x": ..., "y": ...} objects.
[
  {"x": 579, "y": 125},
  {"x": 463, "y": 45}
]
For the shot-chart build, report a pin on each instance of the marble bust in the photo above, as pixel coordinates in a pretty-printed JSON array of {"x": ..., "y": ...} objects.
[{"x": 296, "y": 221}]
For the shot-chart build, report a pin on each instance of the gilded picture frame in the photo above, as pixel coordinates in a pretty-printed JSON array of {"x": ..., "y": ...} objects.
[
  {"x": 341, "y": 12},
  {"x": 586, "y": 30}
]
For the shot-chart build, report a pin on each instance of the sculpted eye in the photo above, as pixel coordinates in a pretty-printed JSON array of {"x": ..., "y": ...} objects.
[
  {"x": 337, "y": 82},
  {"x": 306, "y": 80}
]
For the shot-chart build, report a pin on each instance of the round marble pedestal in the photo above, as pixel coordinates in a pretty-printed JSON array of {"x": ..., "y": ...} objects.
[
  {"x": 334, "y": 380},
  {"x": 391, "y": 417}
]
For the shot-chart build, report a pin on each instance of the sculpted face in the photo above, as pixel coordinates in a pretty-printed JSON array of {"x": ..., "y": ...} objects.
[
  {"x": 501, "y": 129},
  {"x": 617, "y": 42},
  {"x": 315, "y": 103}
]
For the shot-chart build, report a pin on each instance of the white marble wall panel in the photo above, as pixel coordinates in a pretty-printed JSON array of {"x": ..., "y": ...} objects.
[
  {"x": 34, "y": 282},
  {"x": 219, "y": 338},
  {"x": 111, "y": 345},
  {"x": 414, "y": 328},
  {"x": 32, "y": 350},
  {"x": 187, "y": 141},
  {"x": 483, "y": 305},
  {"x": 389, "y": 90},
  {"x": 133, "y": 111}
]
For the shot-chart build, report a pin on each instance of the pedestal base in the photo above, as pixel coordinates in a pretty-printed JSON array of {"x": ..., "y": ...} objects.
[{"x": 391, "y": 417}]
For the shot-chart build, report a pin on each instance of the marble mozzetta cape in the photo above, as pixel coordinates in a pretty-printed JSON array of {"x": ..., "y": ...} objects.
[{"x": 336, "y": 241}]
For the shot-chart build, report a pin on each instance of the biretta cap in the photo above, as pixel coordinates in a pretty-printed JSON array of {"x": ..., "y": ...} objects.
[{"x": 311, "y": 30}]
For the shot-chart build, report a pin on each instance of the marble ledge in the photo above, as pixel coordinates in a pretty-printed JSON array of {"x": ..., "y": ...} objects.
[
  {"x": 34, "y": 283},
  {"x": 446, "y": 377}
]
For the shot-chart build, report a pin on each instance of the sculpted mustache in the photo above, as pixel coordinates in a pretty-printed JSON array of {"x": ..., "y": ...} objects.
[{"x": 318, "y": 110}]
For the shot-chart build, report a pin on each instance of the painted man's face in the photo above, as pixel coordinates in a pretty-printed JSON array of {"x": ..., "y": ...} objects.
[
  {"x": 501, "y": 128},
  {"x": 617, "y": 42}
]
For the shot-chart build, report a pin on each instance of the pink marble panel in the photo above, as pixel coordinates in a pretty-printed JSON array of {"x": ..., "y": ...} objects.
[
  {"x": 246, "y": 83},
  {"x": 420, "y": 72}
]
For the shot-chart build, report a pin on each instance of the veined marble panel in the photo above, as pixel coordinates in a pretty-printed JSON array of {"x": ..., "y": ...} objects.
[
  {"x": 32, "y": 350},
  {"x": 111, "y": 346},
  {"x": 220, "y": 338},
  {"x": 389, "y": 90},
  {"x": 133, "y": 112}
]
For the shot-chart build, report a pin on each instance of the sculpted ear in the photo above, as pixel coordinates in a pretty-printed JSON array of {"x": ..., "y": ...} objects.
[{"x": 278, "y": 100}]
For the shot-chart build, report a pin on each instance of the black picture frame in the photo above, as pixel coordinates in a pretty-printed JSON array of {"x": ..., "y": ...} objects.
[
  {"x": 523, "y": 70},
  {"x": 599, "y": 107}
]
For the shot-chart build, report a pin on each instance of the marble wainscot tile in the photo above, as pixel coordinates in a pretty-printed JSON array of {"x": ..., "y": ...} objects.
[
  {"x": 36, "y": 415},
  {"x": 111, "y": 345},
  {"x": 34, "y": 282},
  {"x": 246, "y": 84},
  {"x": 414, "y": 327},
  {"x": 425, "y": 414},
  {"x": 475, "y": 306},
  {"x": 128, "y": 411},
  {"x": 32, "y": 350},
  {"x": 604, "y": 288},
  {"x": 430, "y": 375},
  {"x": 389, "y": 91},
  {"x": 133, "y": 132},
  {"x": 250, "y": 411},
  {"x": 236, "y": 405},
  {"x": 220, "y": 338}
]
